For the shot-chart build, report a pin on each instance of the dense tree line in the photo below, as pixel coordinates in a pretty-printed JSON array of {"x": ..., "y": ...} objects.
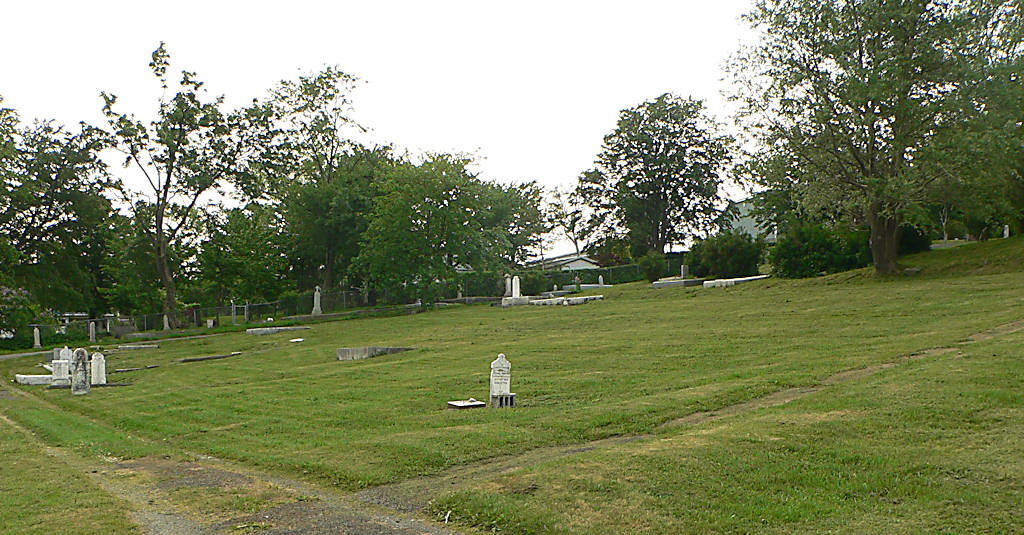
[
  {"x": 246, "y": 204},
  {"x": 868, "y": 117}
]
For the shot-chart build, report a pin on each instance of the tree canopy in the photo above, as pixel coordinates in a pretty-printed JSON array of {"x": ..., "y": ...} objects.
[{"x": 658, "y": 173}]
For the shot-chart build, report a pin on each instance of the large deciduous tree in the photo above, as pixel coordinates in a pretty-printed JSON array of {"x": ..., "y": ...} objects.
[
  {"x": 566, "y": 212},
  {"x": 184, "y": 153},
  {"x": 53, "y": 212},
  {"x": 658, "y": 174},
  {"x": 436, "y": 217},
  {"x": 870, "y": 101}
]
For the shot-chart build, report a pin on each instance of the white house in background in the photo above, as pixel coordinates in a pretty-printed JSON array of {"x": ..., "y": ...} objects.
[
  {"x": 566, "y": 262},
  {"x": 743, "y": 221}
]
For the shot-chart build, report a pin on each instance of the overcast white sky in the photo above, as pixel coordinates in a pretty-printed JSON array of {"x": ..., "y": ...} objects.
[{"x": 529, "y": 88}]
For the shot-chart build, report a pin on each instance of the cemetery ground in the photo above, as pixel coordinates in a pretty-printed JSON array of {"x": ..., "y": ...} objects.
[{"x": 842, "y": 404}]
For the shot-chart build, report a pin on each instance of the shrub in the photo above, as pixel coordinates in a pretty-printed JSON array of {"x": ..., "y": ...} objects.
[
  {"x": 729, "y": 254},
  {"x": 652, "y": 265},
  {"x": 914, "y": 240},
  {"x": 803, "y": 251},
  {"x": 809, "y": 249}
]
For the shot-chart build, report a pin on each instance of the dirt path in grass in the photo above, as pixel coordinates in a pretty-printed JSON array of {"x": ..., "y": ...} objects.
[{"x": 205, "y": 495}]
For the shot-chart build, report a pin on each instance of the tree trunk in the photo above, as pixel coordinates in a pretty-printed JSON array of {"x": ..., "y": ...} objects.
[
  {"x": 170, "y": 289},
  {"x": 329, "y": 270},
  {"x": 885, "y": 239}
]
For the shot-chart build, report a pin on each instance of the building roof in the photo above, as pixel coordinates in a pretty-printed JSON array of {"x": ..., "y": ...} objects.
[{"x": 557, "y": 262}]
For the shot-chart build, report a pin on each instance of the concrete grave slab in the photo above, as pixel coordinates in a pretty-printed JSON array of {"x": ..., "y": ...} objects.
[{"x": 359, "y": 353}]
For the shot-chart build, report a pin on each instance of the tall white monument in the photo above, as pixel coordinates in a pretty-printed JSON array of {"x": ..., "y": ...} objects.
[{"x": 316, "y": 303}]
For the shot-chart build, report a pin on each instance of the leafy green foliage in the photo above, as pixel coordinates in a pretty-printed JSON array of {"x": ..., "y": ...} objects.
[
  {"x": 808, "y": 249},
  {"x": 861, "y": 106},
  {"x": 652, "y": 265},
  {"x": 54, "y": 212},
  {"x": 242, "y": 258},
  {"x": 727, "y": 254},
  {"x": 187, "y": 151},
  {"x": 429, "y": 220},
  {"x": 658, "y": 173}
]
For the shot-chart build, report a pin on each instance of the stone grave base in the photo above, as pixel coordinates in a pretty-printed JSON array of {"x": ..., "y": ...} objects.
[
  {"x": 501, "y": 401},
  {"x": 359, "y": 353},
  {"x": 33, "y": 379},
  {"x": 514, "y": 301},
  {"x": 722, "y": 283},
  {"x": 260, "y": 331},
  {"x": 676, "y": 281}
]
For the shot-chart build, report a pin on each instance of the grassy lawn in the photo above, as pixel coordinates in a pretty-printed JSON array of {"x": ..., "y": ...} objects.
[
  {"x": 931, "y": 446},
  {"x": 42, "y": 494},
  {"x": 624, "y": 365}
]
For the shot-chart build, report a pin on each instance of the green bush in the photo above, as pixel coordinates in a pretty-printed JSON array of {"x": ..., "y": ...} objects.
[
  {"x": 729, "y": 254},
  {"x": 914, "y": 240},
  {"x": 808, "y": 249},
  {"x": 652, "y": 265}
]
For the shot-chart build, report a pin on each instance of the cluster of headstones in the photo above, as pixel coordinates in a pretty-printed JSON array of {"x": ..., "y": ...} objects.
[{"x": 78, "y": 369}]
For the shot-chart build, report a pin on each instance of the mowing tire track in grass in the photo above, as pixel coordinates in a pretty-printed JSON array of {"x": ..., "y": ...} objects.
[{"x": 416, "y": 494}]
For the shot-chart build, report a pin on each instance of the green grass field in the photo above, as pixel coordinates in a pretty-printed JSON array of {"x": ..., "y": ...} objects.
[{"x": 930, "y": 445}]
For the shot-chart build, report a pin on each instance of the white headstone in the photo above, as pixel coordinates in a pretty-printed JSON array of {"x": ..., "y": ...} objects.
[
  {"x": 92, "y": 331},
  {"x": 61, "y": 372},
  {"x": 1006, "y": 231},
  {"x": 65, "y": 354},
  {"x": 508, "y": 286},
  {"x": 210, "y": 322},
  {"x": 36, "y": 342},
  {"x": 316, "y": 302},
  {"x": 501, "y": 376},
  {"x": 167, "y": 323},
  {"x": 99, "y": 369},
  {"x": 80, "y": 372},
  {"x": 554, "y": 287},
  {"x": 515, "y": 288},
  {"x": 600, "y": 280},
  {"x": 684, "y": 271}
]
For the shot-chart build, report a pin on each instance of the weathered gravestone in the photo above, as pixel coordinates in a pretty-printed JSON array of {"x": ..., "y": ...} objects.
[
  {"x": 98, "y": 369},
  {"x": 167, "y": 323},
  {"x": 508, "y": 286},
  {"x": 1006, "y": 231},
  {"x": 62, "y": 368},
  {"x": 80, "y": 372},
  {"x": 684, "y": 271},
  {"x": 501, "y": 378},
  {"x": 36, "y": 342},
  {"x": 316, "y": 303},
  {"x": 92, "y": 331},
  {"x": 516, "y": 294}
]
